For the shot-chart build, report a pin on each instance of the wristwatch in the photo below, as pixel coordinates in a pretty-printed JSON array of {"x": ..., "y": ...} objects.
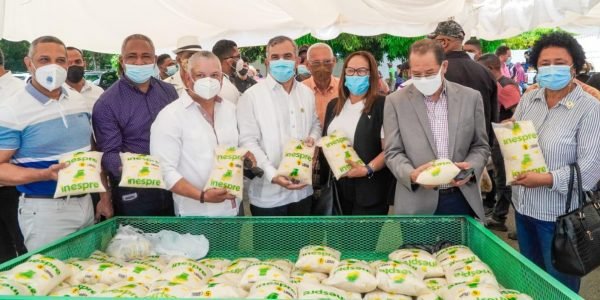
[
  {"x": 370, "y": 171},
  {"x": 202, "y": 197}
]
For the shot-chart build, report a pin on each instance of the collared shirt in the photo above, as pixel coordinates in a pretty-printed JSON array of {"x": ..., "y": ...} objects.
[
  {"x": 90, "y": 93},
  {"x": 185, "y": 143},
  {"x": 567, "y": 133},
  {"x": 322, "y": 98},
  {"x": 437, "y": 113},
  {"x": 269, "y": 117},
  {"x": 210, "y": 119},
  {"x": 41, "y": 130},
  {"x": 228, "y": 91},
  {"x": 9, "y": 85},
  {"x": 177, "y": 82},
  {"x": 122, "y": 118}
]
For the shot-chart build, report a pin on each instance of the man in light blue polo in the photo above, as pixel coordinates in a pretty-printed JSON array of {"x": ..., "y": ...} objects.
[{"x": 38, "y": 125}]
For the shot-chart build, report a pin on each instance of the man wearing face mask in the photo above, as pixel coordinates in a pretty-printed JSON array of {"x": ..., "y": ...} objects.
[
  {"x": 122, "y": 118},
  {"x": 503, "y": 53},
  {"x": 473, "y": 48},
  {"x": 166, "y": 66},
  {"x": 186, "y": 47},
  {"x": 243, "y": 81},
  {"x": 229, "y": 55},
  {"x": 39, "y": 124},
  {"x": 434, "y": 119},
  {"x": 185, "y": 135},
  {"x": 75, "y": 80},
  {"x": 302, "y": 71},
  {"x": 270, "y": 114}
]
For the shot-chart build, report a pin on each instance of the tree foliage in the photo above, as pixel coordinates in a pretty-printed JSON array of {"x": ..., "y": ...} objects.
[{"x": 14, "y": 52}]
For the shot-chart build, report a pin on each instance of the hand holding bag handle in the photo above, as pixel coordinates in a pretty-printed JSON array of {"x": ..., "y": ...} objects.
[{"x": 576, "y": 240}]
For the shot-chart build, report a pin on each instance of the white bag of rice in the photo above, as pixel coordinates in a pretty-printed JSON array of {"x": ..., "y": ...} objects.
[
  {"x": 320, "y": 291},
  {"x": 430, "y": 296},
  {"x": 103, "y": 272},
  {"x": 352, "y": 276},
  {"x": 129, "y": 243},
  {"x": 441, "y": 171},
  {"x": 186, "y": 271},
  {"x": 12, "y": 288},
  {"x": 100, "y": 256},
  {"x": 337, "y": 149},
  {"x": 297, "y": 162},
  {"x": 273, "y": 289},
  {"x": 470, "y": 291},
  {"x": 514, "y": 295},
  {"x": 141, "y": 272},
  {"x": 77, "y": 266},
  {"x": 233, "y": 273},
  {"x": 285, "y": 264},
  {"x": 80, "y": 290},
  {"x": 475, "y": 271},
  {"x": 452, "y": 254},
  {"x": 400, "y": 278},
  {"x": 81, "y": 176},
  {"x": 433, "y": 285},
  {"x": 519, "y": 146},
  {"x": 216, "y": 265},
  {"x": 41, "y": 273},
  {"x": 165, "y": 289},
  {"x": 375, "y": 264},
  {"x": 299, "y": 276},
  {"x": 381, "y": 295},
  {"x": 420, "y": 259},
  {"x": 317, "y": 259},
  {"x": 220, "y": 291},
  {"x": 228, "y": 170},
  {"x": 262, "y": 271},
  {"x": 125, "y": 290},
  {"x": 141, "y": 171}
]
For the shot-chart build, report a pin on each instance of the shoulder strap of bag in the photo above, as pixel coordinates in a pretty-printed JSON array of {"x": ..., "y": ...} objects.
[
  {"x": 570, "y": 190},
  {"x": 580, "y": 192}
]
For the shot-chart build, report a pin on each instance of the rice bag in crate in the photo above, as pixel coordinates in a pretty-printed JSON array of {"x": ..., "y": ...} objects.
[
  {"x": 13, "y": 288},
  {"x": 187, "y": 272},
  {"x": 263, "y": 271},
  {"x": 216, "y": 265},
  {"x": 320, "y": 291},
  {"x": 220, "y": 291},
  {"x": 80, "y": 290},
  {"x": 420, "y": 259},
  {"x": 166, "y": 289},
  {"x": 317, "y": 259},
  {"x": 381, "y": 295},
  {"x": 470, "y": 291},
  {"x": 41, "y": 273},
  {"x": 125, "y": 290},
  {"x": 400, "y": 278},
  {"x": 353, "y": 276},
  {"x": 129, "y": 243},
  {"x": 273, "y": 289}
]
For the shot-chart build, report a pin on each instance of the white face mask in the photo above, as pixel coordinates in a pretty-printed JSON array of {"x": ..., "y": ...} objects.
[
  {"x": 207, "y": 87},
  {"x": 51, "y": 76},
  {"x": 239, "y": 65},
  {"x": 428, "y": 85}
]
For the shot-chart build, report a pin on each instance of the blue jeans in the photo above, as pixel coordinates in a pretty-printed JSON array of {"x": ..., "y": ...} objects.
[
  {"x": 535, "y": 243},
  {"x": 453, "y": 203}
]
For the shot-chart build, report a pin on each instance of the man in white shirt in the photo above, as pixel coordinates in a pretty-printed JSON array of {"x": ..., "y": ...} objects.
[
  {"x": 184, "y": 137},
  {"x": 11, "y": 239},
  {"x": 186, "y": 47},
  {"x": 229, "y": 55},
  {"x": 76, "y": 82},
  {"x": 271, "y": 113}
]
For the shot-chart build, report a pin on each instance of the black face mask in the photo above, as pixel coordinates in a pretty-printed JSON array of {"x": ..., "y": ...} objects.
[
  {"x": 243, "y": 72},
  {"x": 75, "y": 74}
]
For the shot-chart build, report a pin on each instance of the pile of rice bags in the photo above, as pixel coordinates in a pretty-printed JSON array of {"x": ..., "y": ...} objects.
[
  {"x": 519, "y": 146},
  {"x": 81, "y": 176}
]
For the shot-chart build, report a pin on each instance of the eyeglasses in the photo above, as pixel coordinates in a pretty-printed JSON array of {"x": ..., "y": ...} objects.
[
  {"x": 359, "y": 71},
  {"x": 326, "y": 62},
  {"x": 237, "y": 57}
]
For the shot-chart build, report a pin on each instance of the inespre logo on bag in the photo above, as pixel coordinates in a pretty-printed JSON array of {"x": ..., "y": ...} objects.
[{"x": 141, "y": 171}]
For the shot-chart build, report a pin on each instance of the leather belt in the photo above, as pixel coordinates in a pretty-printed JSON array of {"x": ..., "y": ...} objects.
[
  {"x": 32, "y": 196},
  {"x": 451, "y": 190}
]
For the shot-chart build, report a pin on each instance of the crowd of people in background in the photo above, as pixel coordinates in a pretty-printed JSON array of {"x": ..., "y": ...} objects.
[{"x": 438, "y": 104}]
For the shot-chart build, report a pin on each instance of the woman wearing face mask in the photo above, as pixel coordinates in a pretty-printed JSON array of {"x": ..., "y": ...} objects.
[
  {"x": 358, "y": 112},
  {"x": 566, "y": 119}
]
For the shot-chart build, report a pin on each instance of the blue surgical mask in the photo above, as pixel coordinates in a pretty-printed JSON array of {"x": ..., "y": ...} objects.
[
  {"x": 282, "y": 70},
  {"x": 357, "y": 85},
  {"x": 139, "y": 73},
  {"x": 171, "y": 70},
  {"x": 554, "y": 77},
  {"x": 303, "y": 70}
]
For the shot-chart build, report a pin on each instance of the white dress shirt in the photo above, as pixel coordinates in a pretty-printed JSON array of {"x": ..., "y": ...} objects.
[
  {"x": 184, "y": 142},
  {"x": 268, "y": 117},
  {"x": 177, "y": 82},
  {"x": 229, "y": 91},
  {"x": 348, "y": 119},
  {"x": 90, "y": 93},
  {"x": 10, "y": 85}
]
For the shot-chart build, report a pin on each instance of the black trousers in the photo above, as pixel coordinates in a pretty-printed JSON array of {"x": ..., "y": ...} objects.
[
  {"x": 346, "y": 194},
  {"x": 11, "y": 239},
  {"x": 300, "y": 208},
  {"x": 141, "y": 202}
]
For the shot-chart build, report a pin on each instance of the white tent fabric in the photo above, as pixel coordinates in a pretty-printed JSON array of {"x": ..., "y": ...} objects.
[{"x": 101, "y": 25}]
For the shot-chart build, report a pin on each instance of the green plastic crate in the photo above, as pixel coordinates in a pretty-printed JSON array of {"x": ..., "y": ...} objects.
[{"x": 367, "y": 238}]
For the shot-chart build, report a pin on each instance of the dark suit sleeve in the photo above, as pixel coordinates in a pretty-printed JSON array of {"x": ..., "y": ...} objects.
[{"x": 479, "y": 151}]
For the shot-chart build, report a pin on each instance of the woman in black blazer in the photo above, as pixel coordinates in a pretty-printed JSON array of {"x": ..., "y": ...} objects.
[{"x": 358, "y": 112}]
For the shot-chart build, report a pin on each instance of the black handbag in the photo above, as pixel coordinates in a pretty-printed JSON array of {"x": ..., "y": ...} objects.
[{"x": 576, "y": 242}]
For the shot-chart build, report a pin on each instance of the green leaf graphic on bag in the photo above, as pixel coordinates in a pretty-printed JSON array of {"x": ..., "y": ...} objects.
[
  {"x": 79, "y": 176},
  {"x": 144, "y": 172}
]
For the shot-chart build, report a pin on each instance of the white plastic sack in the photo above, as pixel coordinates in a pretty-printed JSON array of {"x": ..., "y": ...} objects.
[
  {"x": 434, "y": 285},
  {"x": 142, "y": 272},
  {"x": 216, "y": 265},
  {"x": 400, "y": 278},
  {"x": 220, "y": 291},
  {"x": 381, "y": 295},
  {"x": 514, "y": 295},
  {"x": 79, "y": 290},
  {"x": 141, "y": 171},
  {"x": 337, "y": 149},
  {"x": 352, "y": 276},
  {"x": 317, "y": 259},
  {"x": 233, "y": 273},
  {"x": 125, "y": 290},
  {"x": 320, "y": 291},
  {"x": 263, "y": 271},
  {"x": 453, "y": 254},
  {"x": 102, "y": 272},
  {"x": 297, "y": 162},
  {"x": 228, "y": 171},
  {"x": 420, "y": 259},
  {"x": 441, "y": 171},
  {"x": 41, "y": 273},
  {"x": 81, "y": 176},
  {"x": 273, "y": 289},
  {"x": 187, "y": 272},
  {"x": 520, "y": 149},
  {"x": 476, "y": 271},
  {"x": 299, "y": 276},
  {"x": 171, "y": 243},
  {"x": 77, "y": 266},
  {"x": 471, "y": 291},
  {"x": 129, "y": 243},
  {"x": 166, "y": 289},
  {"x": 13, "y": 288}
]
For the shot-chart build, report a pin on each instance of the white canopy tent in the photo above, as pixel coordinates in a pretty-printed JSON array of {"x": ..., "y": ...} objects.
[{"x": 101, "y": 25}]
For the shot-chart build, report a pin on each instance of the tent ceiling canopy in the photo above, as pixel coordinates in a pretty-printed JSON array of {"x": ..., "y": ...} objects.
[{"x": 102, "y": 25}]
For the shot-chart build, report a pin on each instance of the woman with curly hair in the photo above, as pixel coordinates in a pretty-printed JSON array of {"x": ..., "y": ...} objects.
[{"x": 566, "y": 119}]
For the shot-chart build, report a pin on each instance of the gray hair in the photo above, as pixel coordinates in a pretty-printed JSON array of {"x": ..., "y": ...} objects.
[
  {"x": 44, "y": 39},
  {"x": 203, "y": 54},
  {"x": 281, "y": 39},
  {"x": 318, "y": 46},
  {"x": 136, "y": 36}
]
